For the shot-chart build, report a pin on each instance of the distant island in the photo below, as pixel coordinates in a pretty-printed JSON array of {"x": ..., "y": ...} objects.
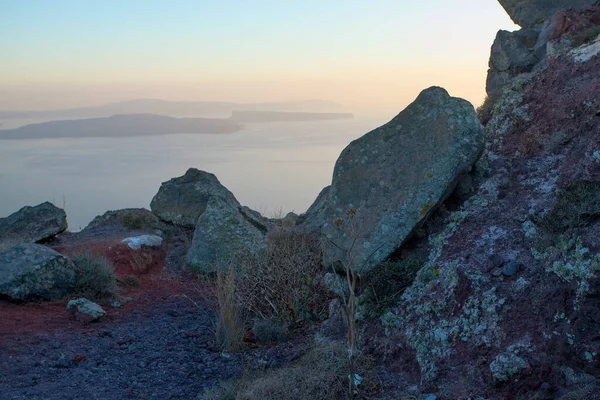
[
  {"x": 151, "y": 124},
  {"x": 121, "y": 126},
  {"x": 274, "y": 116},
  {"x": 174, "y": 109}
]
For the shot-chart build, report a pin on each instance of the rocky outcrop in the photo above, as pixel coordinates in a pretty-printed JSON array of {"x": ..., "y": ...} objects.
[
  {"x": 396, "y": 175},
  {"x": 33, "y": 224},
  {"x": 222, "y": 232},
  {"x": 532, "y": 13},
  {"x": 513, "y": 53},
  {"x": 519, "y": 52},
  {"x": 182, "y": 200},
  {"x": 509, "y": 297},
  {"x": 34, "y": 272}
]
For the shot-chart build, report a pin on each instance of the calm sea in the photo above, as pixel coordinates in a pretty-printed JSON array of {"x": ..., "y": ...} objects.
[{"x": 275, "y": 167}]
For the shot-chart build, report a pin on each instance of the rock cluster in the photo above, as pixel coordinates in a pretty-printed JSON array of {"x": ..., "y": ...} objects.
[{"x": 222, "y": 227}]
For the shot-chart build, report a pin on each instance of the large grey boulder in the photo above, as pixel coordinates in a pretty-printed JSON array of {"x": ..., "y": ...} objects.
[
  {"x": 33, "y": 224},
  {"x": 182, "y": 200},
  {"x": 31, "y": 271},
  {"x": 512, "y": 54},
  {"x": 396, "y": 175},
  {"x": 532, "y": 13},
  {"x": 224, "y": 230}
]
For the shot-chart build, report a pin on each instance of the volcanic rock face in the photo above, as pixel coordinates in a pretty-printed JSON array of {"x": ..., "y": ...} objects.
[
  {"x": 531, "y": 13},
  {"x": 396, "y": 175},
  {"x": 182, "y": 200},
  {"x": 34, "y": 272},
  {"x": 509, "y": 297},
  {"x": 33, "y": 224}
]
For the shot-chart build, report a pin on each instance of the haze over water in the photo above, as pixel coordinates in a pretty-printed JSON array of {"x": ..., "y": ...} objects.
[
  {"x": 269, "y": 167},
  {"x": 372, "y": 57}
]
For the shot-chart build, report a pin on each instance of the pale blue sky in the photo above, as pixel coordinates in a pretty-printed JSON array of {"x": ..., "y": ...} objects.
[{"x": 362, "y": 53}]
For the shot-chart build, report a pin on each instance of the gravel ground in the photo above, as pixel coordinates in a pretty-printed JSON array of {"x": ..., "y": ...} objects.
[{"x": 166, "y": 353}]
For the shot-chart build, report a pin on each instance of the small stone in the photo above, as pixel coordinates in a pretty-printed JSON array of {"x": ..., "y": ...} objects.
[
  {"x": 142, "y": 364},
  {"x": 511, "y": 268},
  {"x": 86, "y": 310},
  {"x": 429, "y": 397},
  {"x": 116, "y": 304},
  {"x": 496, "y": 272}
]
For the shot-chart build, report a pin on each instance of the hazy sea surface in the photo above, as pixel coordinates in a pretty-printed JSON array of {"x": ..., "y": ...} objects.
[{"x": 269, "y": 167}]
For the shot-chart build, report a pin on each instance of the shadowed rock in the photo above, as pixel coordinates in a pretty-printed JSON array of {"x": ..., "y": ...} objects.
[
  {"x": 513, "y": 53},
  {"x": 396, "y": 175},
  {"x": 33, "y": 224},
  {"x": 31, "y": 271},
  {"x": 530, "y": 13}
]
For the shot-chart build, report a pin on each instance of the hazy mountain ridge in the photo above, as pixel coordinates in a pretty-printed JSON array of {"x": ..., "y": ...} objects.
[
  {"x": 284, "y": 116},
  {"x": 124, "y": 125},
  {"x": 174, "y": 108}
]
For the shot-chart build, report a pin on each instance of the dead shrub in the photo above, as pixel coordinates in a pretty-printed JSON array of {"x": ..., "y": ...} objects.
[
  {"x": 95, "y": 277},
  {"x": 268, "y": 331},
  {"x": 383, "y": 285},
  {"x": 577, "y": 205},
  {"x": 286, "y": 282},
  {"x": 321, "y": 374},
  {"x": 586, "y": 36},
  {"x": 486, "y": 109}
]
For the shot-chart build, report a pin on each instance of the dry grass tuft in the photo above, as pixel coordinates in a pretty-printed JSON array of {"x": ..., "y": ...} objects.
[
  {"x": 230, "y": 328},
  {"x": 95, "y": 277},
  {"x": 321, "y": 374}
]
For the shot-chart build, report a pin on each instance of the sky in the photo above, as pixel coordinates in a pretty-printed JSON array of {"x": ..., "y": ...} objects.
[{"x": 372, "y": 56}]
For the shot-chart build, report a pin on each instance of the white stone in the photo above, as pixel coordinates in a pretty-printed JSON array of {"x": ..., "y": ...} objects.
[{"x": 137, "y": 242}]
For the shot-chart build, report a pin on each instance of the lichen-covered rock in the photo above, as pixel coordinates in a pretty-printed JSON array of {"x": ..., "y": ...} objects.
[
  {"x": 33, "y": 224},
  {"x": 85, "y": 309},
  {"x": 509, "y": 297},
  {"x": 222, "y": 232},
  {"x": 34, "y": 272},
  {"x": 531, "y": 13},
  {"x": 182, "y": 200},
  {"x": 396, "y": 175}
]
